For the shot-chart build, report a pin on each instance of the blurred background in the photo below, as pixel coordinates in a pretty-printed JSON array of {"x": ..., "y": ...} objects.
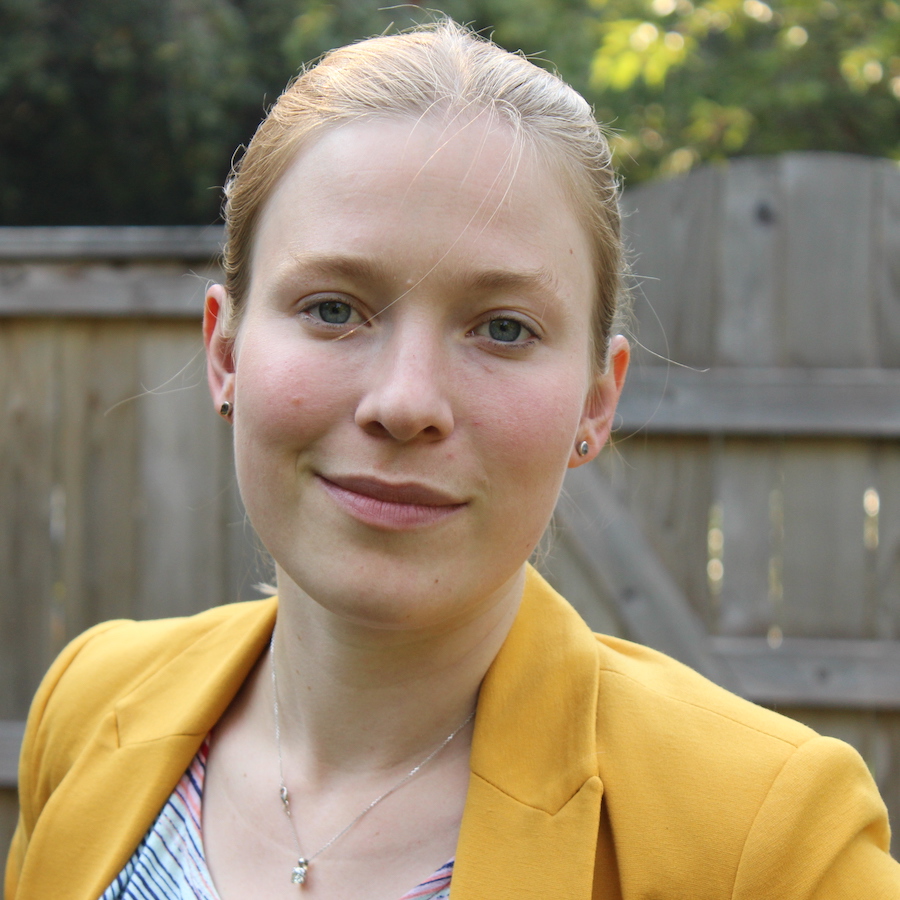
[
  {"x": 746, "y": 519},
  {"x": 160, "y": 92}
]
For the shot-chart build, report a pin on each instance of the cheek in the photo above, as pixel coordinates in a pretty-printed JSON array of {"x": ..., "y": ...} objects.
[
  {"x": 529, "y": 429},
  {"x": 283, "y": 394}
]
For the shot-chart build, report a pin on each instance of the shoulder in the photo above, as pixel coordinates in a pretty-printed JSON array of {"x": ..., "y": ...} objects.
[
  {"x": 113, "y": 658},
  {"x": 633, "y": 675},
  {"x": 109, "y": 663},
  {"x": 152, "y": 689},
  {"x": 690, "y": 770},
  {"x": 660, "y": 723}
]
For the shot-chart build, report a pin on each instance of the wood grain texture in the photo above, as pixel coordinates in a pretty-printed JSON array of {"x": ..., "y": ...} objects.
[
  {"x": 883, "y": 572},
  {"x": 748, "y": 300},
  {"x": 9, "y": 814},
  {"x": 181, "y": 548},
  {"x": 672, "y": 229},
  {"x": 779, "y": 276},
  {"x": 33, "y": 519},
  {"x": 609, "y": 544},
  {"x": 665, "y": 484},
  {"x": 828, "y": 204},
  {"x": 746, "y": 472},
  {"x": 110, "y": 471},
  {"x": 824, "y": 555},
  {"x": 761, "y": 401},
  {"x": 835, "y": 674},
  {"x": 885, "y": 262},
  {"x": 117, "y": 487},
  {"x": 112, "y": 242},
  {"x": 103, "y": 289},
  {"x": 11, "y": 733}
]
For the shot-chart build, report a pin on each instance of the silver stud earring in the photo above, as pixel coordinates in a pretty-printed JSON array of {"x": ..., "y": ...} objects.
[
  {"x": 226, "y": 409},
  {"x": 583, "y": 448}
]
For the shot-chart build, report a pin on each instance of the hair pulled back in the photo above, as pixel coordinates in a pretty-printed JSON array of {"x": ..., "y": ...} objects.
[{"x": 448, "y": 70}]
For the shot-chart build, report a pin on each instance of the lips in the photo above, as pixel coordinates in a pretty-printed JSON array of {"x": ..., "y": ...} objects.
[{"x": 390, "y": 506}]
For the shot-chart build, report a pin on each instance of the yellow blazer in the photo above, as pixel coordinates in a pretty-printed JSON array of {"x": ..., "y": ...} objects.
[{"x": 599, "y": 769}]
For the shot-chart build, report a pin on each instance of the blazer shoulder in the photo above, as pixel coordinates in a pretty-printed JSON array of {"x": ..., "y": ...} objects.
[
  {"x": 111, "y": 660},
  {"x": 651, "y": 680},
  {"x": 719, "y": 793},
  {"x": 119, "y": 655}
]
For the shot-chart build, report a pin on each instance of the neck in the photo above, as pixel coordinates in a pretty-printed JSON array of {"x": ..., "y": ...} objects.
[{"x": 358, "y": 698}]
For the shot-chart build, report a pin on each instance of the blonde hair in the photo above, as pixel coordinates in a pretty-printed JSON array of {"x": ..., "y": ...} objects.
[{"x": 445, "y": 69}]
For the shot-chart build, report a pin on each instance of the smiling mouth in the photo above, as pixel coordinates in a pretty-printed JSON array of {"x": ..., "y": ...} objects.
[{"x": 393, "y": 507}]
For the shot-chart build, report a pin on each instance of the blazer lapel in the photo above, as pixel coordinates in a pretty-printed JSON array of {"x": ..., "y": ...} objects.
[
  {"x": 532, "y": 811},
  {"x": 103, "y": 806},
  {"x": 533, "y": 808}
]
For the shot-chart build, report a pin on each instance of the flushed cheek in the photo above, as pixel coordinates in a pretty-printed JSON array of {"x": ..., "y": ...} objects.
[
  {"x": 529, "y": 444},
  {"x": 283, "y": 397},
  {"x": 537, "y": 415}
]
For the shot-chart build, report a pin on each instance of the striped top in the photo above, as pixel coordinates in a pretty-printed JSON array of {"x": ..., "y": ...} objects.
[{"x": 169, "y": 863}]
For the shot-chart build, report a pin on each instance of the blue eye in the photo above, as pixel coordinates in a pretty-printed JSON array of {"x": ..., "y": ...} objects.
[
  {"x": 334, "y": 312},
  {"x": 506, "y": 331}
]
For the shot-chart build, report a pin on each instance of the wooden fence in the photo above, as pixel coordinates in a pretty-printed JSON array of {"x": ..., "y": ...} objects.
[{"x": 746, "y": 521}]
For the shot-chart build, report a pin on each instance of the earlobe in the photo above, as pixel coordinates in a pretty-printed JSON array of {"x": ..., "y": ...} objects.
[
  {"x": 219, "y": 348},
  {"x": 600, "y": 406}
]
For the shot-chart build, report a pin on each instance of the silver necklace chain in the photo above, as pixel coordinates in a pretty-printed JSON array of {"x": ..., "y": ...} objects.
[{"x": 299, "y": 872}]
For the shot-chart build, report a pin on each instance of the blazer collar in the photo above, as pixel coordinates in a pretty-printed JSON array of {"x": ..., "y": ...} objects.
[
  {"x": 537, "y": 705},
  {"x": 211, "y": 670},
  {"x": 114, "y": 788},
  {"x": 532, "y": 813}
]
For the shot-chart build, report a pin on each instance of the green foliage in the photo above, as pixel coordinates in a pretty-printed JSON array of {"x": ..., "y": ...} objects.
[
  {"x": 129, "y": 111},
  {"x": 686, "y": 82}
]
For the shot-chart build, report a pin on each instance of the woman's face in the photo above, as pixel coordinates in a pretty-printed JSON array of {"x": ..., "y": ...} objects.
[{"x": 412, "y": 370}]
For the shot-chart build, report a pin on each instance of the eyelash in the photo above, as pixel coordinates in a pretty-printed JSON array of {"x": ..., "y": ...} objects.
[
  {"x": 308, "y": 310},
  {"x": 530, "y": 340},
  {"x": 514, "y": 346}
]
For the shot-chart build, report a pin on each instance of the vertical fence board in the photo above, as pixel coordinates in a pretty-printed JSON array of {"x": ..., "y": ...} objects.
[
  {"x": 180, "y": 547},
  {"x": 825, "y": 565},
  {"x": 29, "y": 496},
  {"x": 111, "y": 472},
  {"x": 746, "y": 472},
  {"x": 885, "y": 559},
  {"x": 748, "y": 326},
  {"x": 9, "y": 813},
  {"x": 666, "y": 483},
  {"x": 885, "y": 256},
  {"x": 72, "y": 451},
  {"x": 828, "y": 315},
  {"x": 676, "y": 265}
]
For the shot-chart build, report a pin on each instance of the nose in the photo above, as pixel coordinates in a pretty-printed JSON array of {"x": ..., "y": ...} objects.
[{"x": 407, "y": 393}]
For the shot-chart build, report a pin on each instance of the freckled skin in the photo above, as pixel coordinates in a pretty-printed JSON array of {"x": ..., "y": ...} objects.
[{"x": 413, "y": 387}]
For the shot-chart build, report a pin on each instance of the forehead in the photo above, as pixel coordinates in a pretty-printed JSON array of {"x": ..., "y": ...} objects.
[{"x": 428, "y": 196}]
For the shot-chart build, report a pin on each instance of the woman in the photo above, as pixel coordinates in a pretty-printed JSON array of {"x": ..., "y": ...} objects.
[{"x": 414, "y": 340}]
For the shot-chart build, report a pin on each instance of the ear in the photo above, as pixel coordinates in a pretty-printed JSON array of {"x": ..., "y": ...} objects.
[
  {"x": 601, "y": 402},
  {"x": 219, "y": 348}
]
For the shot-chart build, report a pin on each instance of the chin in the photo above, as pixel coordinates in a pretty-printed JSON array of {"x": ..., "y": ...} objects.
[{"x": 389, "y": 594}]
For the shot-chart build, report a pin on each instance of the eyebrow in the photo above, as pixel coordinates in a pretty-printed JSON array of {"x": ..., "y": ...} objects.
[
  {"x": 538, "y": 280},
  {"x": 352, "y": 267},
  {"x": 357, "y": 268}
]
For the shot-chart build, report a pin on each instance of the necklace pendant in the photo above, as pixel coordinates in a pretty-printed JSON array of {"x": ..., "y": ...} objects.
[{"x": 298, "y": 876}]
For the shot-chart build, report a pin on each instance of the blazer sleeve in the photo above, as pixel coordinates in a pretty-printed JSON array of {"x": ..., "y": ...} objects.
[
  {"x": 43, "y": 756},
  {"x": 822, "y": 832}
]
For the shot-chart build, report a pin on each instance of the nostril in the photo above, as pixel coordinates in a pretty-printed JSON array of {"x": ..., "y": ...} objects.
[{"x": 405, "y": 415}]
